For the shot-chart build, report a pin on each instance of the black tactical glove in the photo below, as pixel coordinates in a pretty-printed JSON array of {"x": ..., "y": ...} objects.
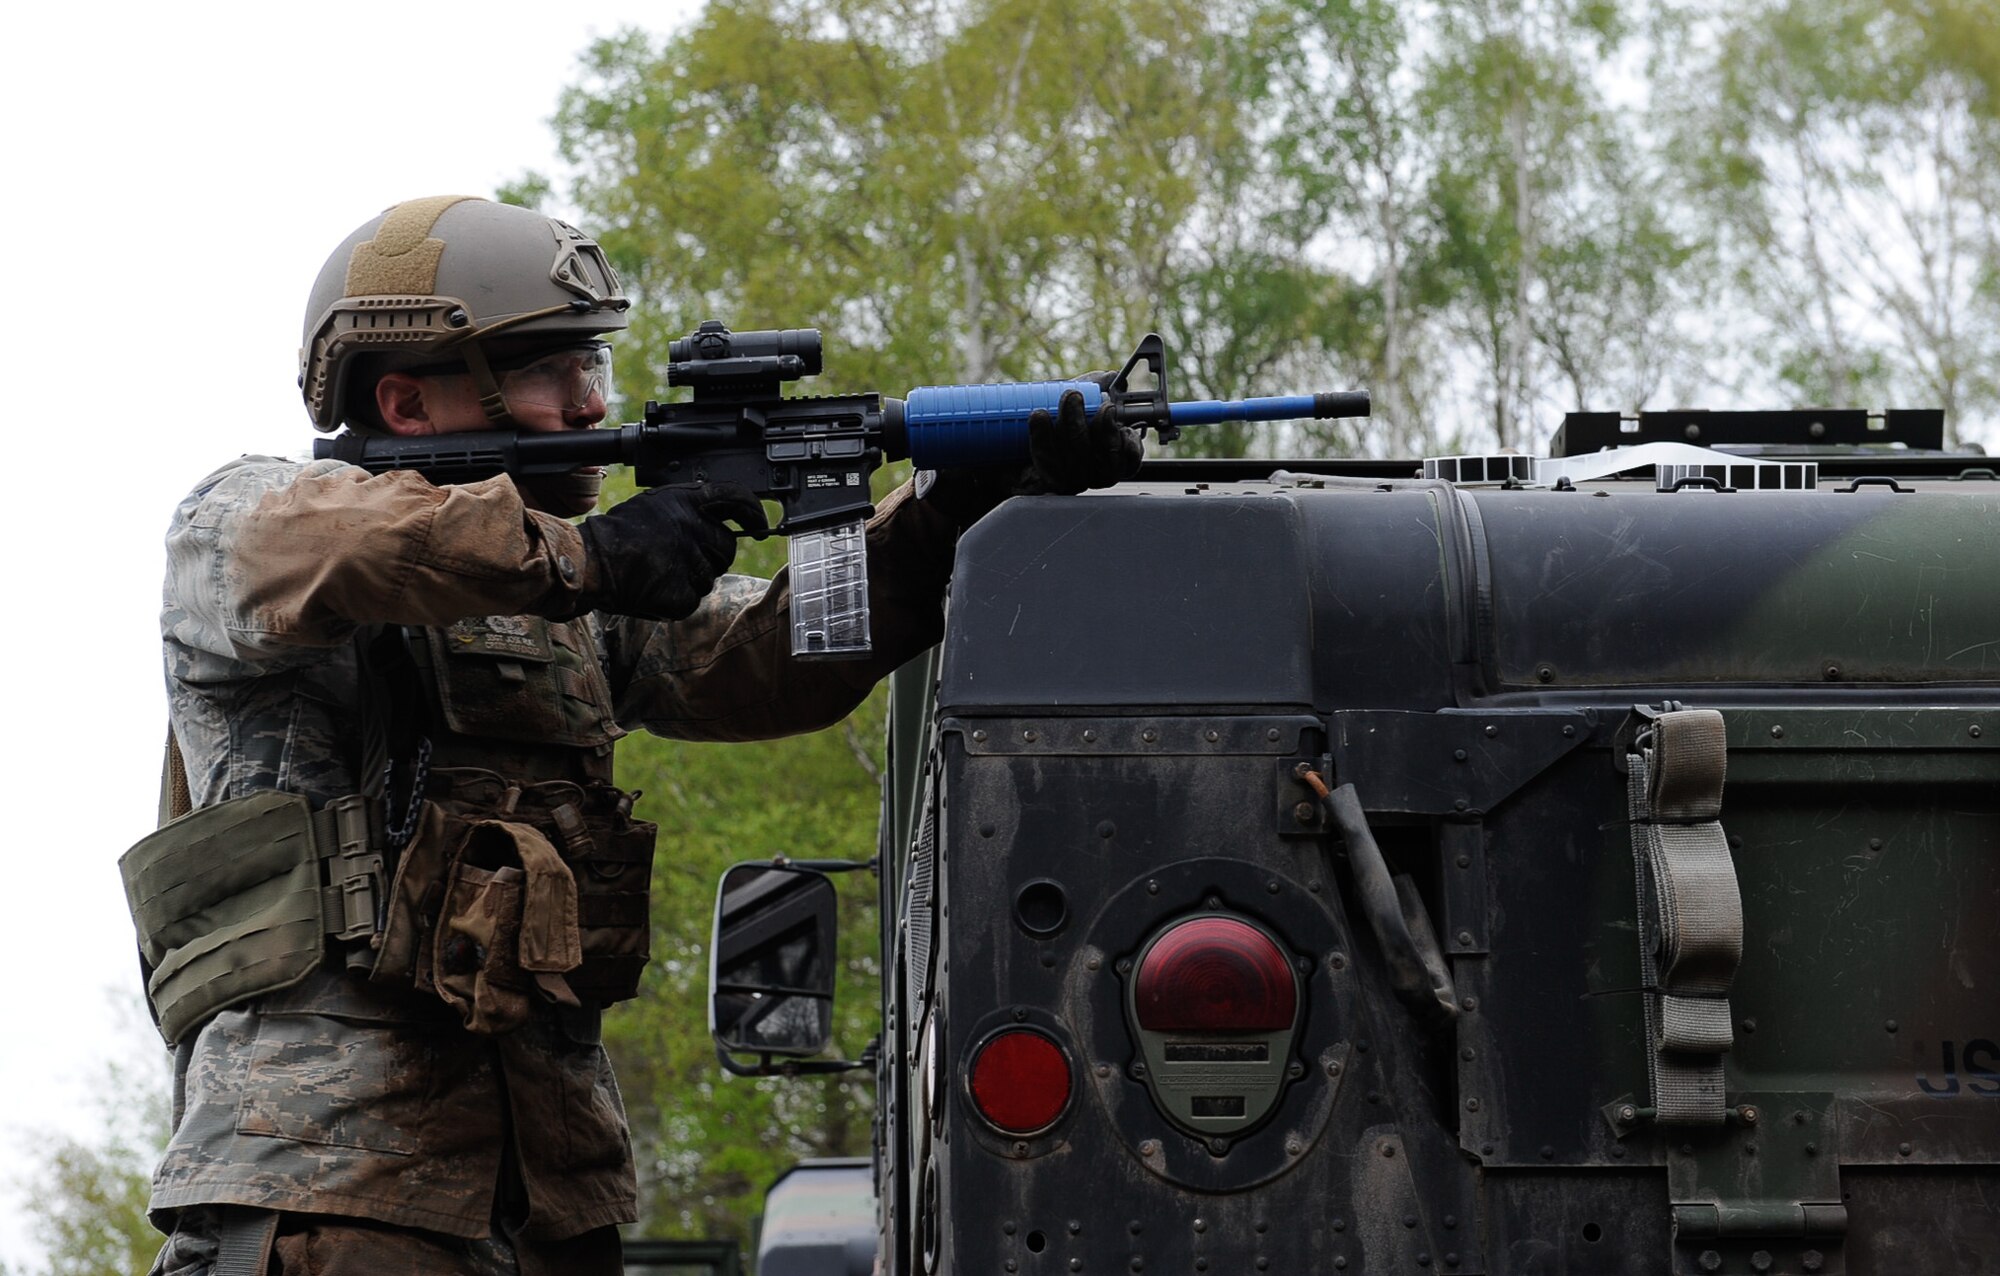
[
  {"x": 657, "y": 555},
  {"x": 1069, "y": 450}
]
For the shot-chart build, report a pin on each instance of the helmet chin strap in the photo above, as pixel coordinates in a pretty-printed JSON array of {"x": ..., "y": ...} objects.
[{"x": 491, "y": 400}]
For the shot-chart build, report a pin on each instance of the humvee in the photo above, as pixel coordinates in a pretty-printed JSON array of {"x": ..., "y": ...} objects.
[{"x": 1586, "y": 863}]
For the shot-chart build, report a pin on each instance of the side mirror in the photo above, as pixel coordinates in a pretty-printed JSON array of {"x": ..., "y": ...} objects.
[{"x": 771, "y": 963}]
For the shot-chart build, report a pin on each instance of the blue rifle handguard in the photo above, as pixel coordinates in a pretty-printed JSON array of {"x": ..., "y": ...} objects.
[
  {"x": 974, "y": 425},
  {"x": 977, "y": 425}
]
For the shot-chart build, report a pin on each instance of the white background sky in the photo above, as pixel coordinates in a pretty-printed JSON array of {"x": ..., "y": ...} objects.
[{"x": 173, "y": 177}]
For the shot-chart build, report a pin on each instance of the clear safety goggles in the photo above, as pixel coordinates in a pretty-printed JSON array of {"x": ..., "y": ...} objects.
[{"x": 565, "y": 379}]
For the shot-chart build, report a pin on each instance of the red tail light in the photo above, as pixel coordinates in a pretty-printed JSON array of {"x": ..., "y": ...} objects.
[
  {"x": 1215, "y": 974},
  {"x": 1020, "y": 1080}
]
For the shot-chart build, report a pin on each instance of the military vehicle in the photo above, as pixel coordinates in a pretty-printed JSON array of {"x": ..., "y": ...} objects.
[{"x": 1586, "y": 863}]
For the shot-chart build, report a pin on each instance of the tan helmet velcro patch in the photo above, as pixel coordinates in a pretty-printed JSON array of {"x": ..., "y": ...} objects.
[{"x": 402, "y": 258}]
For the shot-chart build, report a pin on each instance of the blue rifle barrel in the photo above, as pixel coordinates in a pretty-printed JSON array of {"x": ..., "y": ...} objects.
[{"x": 969, "y": 425}]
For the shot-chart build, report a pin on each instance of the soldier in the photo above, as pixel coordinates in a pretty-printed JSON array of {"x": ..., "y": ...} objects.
[{"x": 381, "y": 943}]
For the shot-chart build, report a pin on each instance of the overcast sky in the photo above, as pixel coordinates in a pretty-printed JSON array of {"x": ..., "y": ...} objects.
[{"x": 175, "y": 176}]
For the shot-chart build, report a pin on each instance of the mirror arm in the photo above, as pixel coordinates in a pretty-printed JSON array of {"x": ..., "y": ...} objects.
[
  {"x": 794, "y": 1068},
  {"x": 829, "y": 866}
]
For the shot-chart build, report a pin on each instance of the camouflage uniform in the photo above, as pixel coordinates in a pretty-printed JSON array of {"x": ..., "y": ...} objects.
[{"x": 339, "y": 1096}]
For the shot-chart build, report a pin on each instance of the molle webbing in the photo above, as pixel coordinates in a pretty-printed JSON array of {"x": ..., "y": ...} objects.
[
  {"x": 236, "y": 899},
  {"x": 402, "y": 259},
  {"x": 1690, "y": 912}
]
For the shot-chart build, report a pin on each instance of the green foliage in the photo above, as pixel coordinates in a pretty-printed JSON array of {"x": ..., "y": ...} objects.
[
  {"x": 1448, "y": 205},
  {"x": 955, "y": 192},
  {"x": 708, "y": 1144},
  {"x": 1846, "y": 152},
  {"x": 86, "y": 1198},
  {"x": 1558, "y": 259},
  {"x": 530, "y": 190},
  {"x": 90, "y": 1208},
  {"x": 1348, "y": 158},
  {"x": 1959, "y": 37}
]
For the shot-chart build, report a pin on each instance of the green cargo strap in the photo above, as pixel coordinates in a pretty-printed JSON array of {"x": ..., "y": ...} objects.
[
  {"x": 1690, "y": 912},
  {"x": 235, "y": 900}
]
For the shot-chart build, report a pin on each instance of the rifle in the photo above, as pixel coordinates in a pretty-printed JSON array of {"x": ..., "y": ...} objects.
[{"x": 813, "y": 455}]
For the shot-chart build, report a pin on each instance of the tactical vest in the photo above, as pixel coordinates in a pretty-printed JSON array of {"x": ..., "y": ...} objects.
[{"x": 516, "y": 875}]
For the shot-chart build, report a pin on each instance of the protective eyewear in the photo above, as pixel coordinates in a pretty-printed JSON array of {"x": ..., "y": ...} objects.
[{"x": 564, "y": 380}]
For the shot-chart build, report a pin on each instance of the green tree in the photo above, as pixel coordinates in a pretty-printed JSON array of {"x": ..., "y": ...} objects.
[
  {"x": 1352, "y": 154},
  {"x": 1000, "y": 189},
  {"x": 1624, "y": 284},
  {"x": 1849, "y": 152},
  {"x": 707, "y": 1143},
  {"x": 1496, "y": 214},
  {"x": 1555, "y": 268},
  {"x": 86, "y": 1198}
]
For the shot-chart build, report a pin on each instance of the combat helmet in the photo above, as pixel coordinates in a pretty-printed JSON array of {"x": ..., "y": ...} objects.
[{"x": 450, "y": 278}]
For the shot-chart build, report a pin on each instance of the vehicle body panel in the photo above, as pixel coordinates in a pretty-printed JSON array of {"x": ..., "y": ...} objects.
[{"x": 1128, "y": 685}]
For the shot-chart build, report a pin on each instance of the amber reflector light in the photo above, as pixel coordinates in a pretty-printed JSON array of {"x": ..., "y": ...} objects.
[
  {"x": 1215, "y": 974},
  {"x": 1020, "y": 1081}
]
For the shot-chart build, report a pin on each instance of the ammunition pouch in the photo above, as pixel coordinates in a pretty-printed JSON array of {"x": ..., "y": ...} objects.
[
  {"x": 507, "y": 927},
  {"x": 507, "y": 894},
  {"x": 237, "y": 899}
]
